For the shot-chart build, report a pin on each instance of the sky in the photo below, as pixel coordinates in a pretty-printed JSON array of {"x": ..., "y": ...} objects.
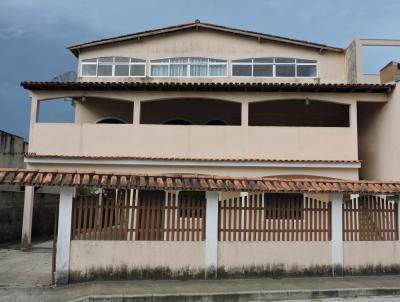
[{"x": 34, "y": 33}]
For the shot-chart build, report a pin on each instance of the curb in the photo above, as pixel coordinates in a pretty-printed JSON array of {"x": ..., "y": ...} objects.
[{"x": 246, "y": 296}]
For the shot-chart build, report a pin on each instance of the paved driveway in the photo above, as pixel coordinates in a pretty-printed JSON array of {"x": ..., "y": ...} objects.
[{"x": 25, "y": 269}]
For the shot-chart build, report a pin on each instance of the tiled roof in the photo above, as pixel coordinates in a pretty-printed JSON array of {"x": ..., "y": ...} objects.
[
  {"x": 202, "y": 182},
  {"x": 34, "y": 155},
  {"x": 211, "y": 86},
  {"x": 198, "y": 25}
]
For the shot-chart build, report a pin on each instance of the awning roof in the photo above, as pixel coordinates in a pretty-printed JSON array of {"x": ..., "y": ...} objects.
[
  {"x": 201, "y": 182},
  {"x": 210, "y": 86}
]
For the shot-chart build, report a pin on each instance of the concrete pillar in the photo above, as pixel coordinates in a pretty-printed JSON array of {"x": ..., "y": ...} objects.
[
  {"x": 211, "y": 257},
  {"x": 136, "y": 112},
  {"x": 26, "y": 237},
  {"x": 64, "y": 234},
  {"x": 245, "y": 113},
  {"x": 398, "y": 217},
  {"x": 337, "y": 232},
  {"x": 34, "y": 114}
]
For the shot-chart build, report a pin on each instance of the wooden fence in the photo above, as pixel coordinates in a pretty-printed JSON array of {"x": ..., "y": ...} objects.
[
  {"x": 140, "y": 215},
  {"x": 370, "y": 218},
  {"x": 274, "y": 217}
]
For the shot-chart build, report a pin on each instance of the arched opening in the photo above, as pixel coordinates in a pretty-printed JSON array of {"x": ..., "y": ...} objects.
[
  {"x": 103, "y": 111},
  {"x": 191, "y": 111},
  {"x": 216, "y": 123},
  {"x": 111, "y": 121},
  {"x": 299, "y": 113},
  {"x": 178, "y": 122}
]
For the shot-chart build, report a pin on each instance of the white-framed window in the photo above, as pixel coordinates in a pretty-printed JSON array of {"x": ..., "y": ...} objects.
[
  {"x": 275, "y": 67},
  {"x": 113, "y": 67},
  {"x": 188, "y": 67}
]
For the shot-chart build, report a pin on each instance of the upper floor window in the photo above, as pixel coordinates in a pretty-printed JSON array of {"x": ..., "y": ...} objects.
[
  {"x": 274, "y": 67},
  {"x": 189, "y": 67},
  {"x": 113, "y": 67}
]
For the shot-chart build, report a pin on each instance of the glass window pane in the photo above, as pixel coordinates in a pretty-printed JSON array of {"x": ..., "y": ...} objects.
[
  {"x": 241, "y": 70},
  {"x": 217, "y": 61},
  {"x": 179, "y": 70},
  {"x": 121, "y": 60},
  {"x": 284, "y": 60},
  {"x": 242, "y": 61},
  {"x": 133, "y": 60},
  {"x": 217, "y": 70},
  {"x": 159, "y": 70},
  {"x": 198, "y": 60},
  {"x": 179, "y": 60},
  {"x": 263, "y": 71},
  {"x": 160, "y": 61},
  {"x": 305, "y": 61},
  {"x": 121, "y": 70},
  {"x": 198, "y": 70},
  {"x": 138, "y": 70},
  {"x": 264, "y": 60},
  {"x": 106, "y": 59},
  {"x": 105, "y": 70},
  {"x": 285, "y": 70},
  {"x": 90, "y": 60},
  {"x": 89, "y": 70},
  {"x": 306, "y": 70}
]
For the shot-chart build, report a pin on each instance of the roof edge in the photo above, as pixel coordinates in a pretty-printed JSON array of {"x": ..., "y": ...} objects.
[{"x": 197, "y": 24}]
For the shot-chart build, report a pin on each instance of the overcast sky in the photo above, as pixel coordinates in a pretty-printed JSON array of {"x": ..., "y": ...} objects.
[{"x": 34, "y": 33}]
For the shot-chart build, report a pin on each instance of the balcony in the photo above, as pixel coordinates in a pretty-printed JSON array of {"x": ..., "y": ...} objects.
[{"x": 194, "y": 141}]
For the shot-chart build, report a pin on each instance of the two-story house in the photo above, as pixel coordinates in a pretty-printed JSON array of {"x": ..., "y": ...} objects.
[{"x": 211, "y": 150}]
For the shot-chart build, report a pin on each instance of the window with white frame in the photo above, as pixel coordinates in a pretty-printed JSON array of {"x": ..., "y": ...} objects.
[
  {"x": 274, "y": 67},
  {"x": 188, "y": 67},
  {"x": 113, "y": 67}
]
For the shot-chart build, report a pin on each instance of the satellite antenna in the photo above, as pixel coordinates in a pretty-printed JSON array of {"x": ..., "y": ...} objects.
[{"x": 69, "y": 76}]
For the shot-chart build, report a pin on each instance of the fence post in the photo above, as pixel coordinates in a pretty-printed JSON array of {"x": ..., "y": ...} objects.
[
  {"x": 337, "y": 233},
  {"x": 27, "y": 217},
  {"x": 64, "y": 234},
  {"x": 211, "y": 257},
  {"x": 398, "y": 218}
]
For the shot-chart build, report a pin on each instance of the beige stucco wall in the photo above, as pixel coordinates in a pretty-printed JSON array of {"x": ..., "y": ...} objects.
[
  {"x": 212, "y": 44},
  {"x": 86, "y": 255},
  {"x": 301, "y": 254},
  {"x": 379, "y": 138},
  {"x": 195, "y": 141},
  {"x": 362, "y": 253}
]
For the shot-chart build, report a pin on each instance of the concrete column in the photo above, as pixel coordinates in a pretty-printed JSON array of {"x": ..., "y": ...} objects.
[
  {"x": 64, "y": 234},
  {"x": 34, "y": 114},
  {"x": 26, "y": 237},
  {"x": 398, "y": 217},
  {"x": 245, "y": 114},
  {"x": 211, "y": 257},
  {"x": 136, "y": 112},
  {"x": 337, "y": 232}
]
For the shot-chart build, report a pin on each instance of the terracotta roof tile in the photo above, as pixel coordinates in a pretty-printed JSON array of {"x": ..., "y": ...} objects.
[{"x": 192, "y": 182}]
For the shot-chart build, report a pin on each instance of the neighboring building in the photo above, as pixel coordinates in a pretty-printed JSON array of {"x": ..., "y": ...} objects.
[
  {"x": 12, "y": 151},
  {"x": 215, "y": 150}
]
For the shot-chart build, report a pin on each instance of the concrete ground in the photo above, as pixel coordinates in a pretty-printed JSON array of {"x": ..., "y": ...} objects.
[
  {"x": 25, "y": 276},
  {"x": 25, "y": 268}
]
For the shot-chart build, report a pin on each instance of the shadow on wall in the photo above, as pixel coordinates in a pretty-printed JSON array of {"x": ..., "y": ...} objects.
[{"x": 11, "y": 213}]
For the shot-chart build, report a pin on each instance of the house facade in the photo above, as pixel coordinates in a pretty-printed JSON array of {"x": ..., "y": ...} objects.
[{"x": 207, "y": 150}]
